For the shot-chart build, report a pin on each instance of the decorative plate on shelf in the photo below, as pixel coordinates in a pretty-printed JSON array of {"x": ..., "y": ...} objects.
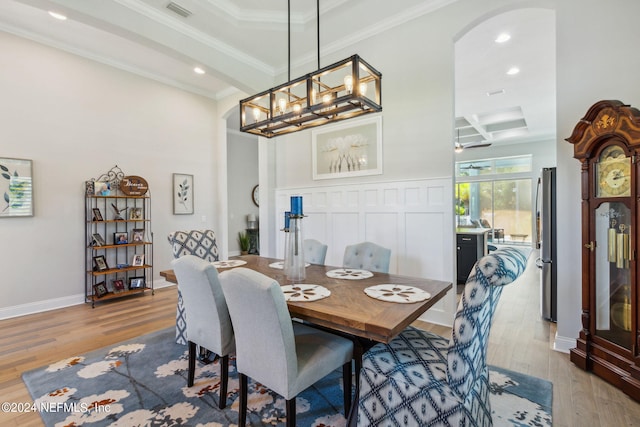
[
  {"x": 304, "y": 292},
  {"x": 397, "y": 293},
  {"x": 229, "y": 263},
  {"x": 349, "y": 273},
  {"x": 280, "y": 265}
]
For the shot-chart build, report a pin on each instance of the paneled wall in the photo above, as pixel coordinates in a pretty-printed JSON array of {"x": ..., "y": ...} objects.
[{"x": 412, "y": 218}]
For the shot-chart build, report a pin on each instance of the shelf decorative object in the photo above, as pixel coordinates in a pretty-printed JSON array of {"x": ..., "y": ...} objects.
[
  {"x": 607, "y": 143},
  {"x": 107, "y": 262}
]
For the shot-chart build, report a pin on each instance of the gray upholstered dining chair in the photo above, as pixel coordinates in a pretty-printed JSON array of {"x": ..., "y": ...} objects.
[
  {"x": 367, "y": 256},
  {"x": 283, "y": 355},
  {"x": 315, "y": 252},
  {"x": 208, "y": 321}
]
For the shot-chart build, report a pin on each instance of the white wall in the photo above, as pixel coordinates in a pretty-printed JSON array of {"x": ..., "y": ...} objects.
[
  {"x": 76, "y": 119},
  {"x": 242, "y": 176},
  {"x": 596, "y": 60}
]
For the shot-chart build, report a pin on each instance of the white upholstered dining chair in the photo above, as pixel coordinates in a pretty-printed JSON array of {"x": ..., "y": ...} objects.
[
  {"x": 367, "y": 256},
  {"x": 283, "y": 355},
  {"x": 208, "y": 321},
  {"x": 315, "y": 252}
]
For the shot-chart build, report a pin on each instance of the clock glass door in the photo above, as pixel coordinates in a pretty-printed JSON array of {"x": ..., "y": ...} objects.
[{"x": 612, "y": 273}]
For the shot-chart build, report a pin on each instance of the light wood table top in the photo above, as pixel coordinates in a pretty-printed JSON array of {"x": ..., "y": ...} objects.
[{"x": 348, "y": 309}]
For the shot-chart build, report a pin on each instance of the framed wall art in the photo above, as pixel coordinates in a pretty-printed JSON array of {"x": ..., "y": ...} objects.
[
  {"x": 16, "y": 187},
  {"x": 182, "y": 194},
  {"x": 352, "y": 148}
]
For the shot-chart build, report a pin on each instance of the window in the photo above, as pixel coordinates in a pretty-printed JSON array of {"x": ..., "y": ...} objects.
[{"x": 496, "y": 194}]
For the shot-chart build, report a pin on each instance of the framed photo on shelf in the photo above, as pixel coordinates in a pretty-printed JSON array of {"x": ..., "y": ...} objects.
[
  {"x": 136, "y": 282},
  {"x": 90, "y": 188},
  {"x": 118, "y": 285},
  {"x": 138, "y": 260},
  {"x": 102, "y": 188},
  {"x": 16, "y": 187},
  {"x": 137, "y": 235},
  {"x": 100, "y": 290},
  {"x": 135, "y": 214},
  {"x": 100, "y": 263},
  {"x": 120, "y": 238},
  {"x": 347, "y": 149},
  {"x": 97, "y": 215},
  {"x": 98, "y": 240},
  {"x": 182, "y": 194}
]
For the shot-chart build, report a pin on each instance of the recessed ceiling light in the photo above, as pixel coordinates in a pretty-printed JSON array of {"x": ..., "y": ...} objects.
[
  {"x": 198, "y": 70},
  {"x": 513, "y": 71},
  {"x": 502, "y": 38},
  {"x": 495, "y": 92},
  {"x": 57, "y": 15}
]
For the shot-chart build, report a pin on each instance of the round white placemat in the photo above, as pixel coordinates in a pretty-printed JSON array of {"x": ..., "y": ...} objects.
[
  {"x": 304, "y": 292},
  {"x": 228, "y": 264},
  {"x": 349, "y": 273},
  {"x": 397, "y": 293},
  {"x": 280, "y": 265}
]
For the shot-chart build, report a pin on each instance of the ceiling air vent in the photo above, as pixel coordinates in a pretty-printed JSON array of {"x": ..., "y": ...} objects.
[{"x": 176, "y": 8}]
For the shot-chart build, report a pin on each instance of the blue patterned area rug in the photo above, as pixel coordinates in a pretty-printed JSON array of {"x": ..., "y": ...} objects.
[{"x": 142, "y": 382}]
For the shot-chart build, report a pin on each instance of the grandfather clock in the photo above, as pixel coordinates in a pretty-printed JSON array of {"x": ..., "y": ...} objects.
[{"x": 607, "y": 143}]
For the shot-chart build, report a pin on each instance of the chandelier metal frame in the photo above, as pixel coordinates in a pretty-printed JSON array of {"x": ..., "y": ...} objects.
[{"x": 324, "y": 96}]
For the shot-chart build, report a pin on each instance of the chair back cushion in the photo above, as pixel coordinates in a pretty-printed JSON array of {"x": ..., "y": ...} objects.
[
  {"x": 265, "y": 342},
  {"x": 467, "y": 354},
  {"x": 201, "y": 243},
  {"x": 367, "y": 256},
  {"x": 208, "y": 320},
  {"x": 315, "y": 252}
]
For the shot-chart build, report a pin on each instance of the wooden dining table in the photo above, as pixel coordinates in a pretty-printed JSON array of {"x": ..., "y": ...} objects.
[{"x": 349, "y": 309}]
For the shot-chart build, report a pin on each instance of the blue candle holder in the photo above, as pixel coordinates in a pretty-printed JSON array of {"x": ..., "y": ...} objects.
[{"x": 296, "y": 206}]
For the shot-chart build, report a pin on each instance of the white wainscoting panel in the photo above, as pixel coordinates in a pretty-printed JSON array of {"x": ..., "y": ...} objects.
[{"x": 412, "y": 218}]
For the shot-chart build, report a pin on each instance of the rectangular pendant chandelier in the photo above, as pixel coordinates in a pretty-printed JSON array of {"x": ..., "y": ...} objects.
[{"x": 340, "y": 91}]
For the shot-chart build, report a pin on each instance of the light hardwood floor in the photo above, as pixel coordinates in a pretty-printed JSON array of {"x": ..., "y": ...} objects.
[{"x": 519, "y": 341}]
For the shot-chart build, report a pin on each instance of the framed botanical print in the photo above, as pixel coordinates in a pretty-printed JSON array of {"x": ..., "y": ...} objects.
[
  {"x": 16, "y": 187},
  {"x": 182, "y": 194}
]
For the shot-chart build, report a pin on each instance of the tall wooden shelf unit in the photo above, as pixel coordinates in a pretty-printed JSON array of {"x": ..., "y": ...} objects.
[
  {"x": 113, "y": 269},
  {"x": 607, "y": 143}
]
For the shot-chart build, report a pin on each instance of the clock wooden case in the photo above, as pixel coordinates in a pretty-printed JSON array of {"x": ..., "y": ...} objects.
[{"x": 607, "y": 143}]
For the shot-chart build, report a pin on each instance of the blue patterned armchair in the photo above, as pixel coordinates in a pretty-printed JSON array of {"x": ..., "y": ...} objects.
[
  {"x": 423, "y": 379},
  {"x": 201, "y": 243}
]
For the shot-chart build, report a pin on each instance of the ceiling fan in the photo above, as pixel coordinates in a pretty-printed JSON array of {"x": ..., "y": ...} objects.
[
  {"x": 475, "y": 167},
  {"x": 459, "y": 146}
]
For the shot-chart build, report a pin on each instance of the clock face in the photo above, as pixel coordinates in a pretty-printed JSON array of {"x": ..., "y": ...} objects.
[
  {"x": 255, "y": 195},
  {"x": 613, "y": 173}
]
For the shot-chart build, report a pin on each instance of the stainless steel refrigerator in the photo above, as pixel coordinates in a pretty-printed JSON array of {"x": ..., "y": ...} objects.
[{"x": 546, "y": 242}]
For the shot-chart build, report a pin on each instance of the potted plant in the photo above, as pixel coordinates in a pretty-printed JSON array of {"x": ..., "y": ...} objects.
[{"x": 243, "y": 239}]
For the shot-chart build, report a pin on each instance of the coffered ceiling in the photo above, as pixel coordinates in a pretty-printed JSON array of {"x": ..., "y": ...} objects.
[{"x": 242, "y": 45}]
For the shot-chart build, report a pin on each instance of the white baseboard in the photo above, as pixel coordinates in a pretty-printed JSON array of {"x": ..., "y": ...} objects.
[
  {"x": 56, "y": 303},
  {"x": 437, "y": 317},
  {"x": 563, "y": 344},
  {"x": 40, "y": 306}
]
